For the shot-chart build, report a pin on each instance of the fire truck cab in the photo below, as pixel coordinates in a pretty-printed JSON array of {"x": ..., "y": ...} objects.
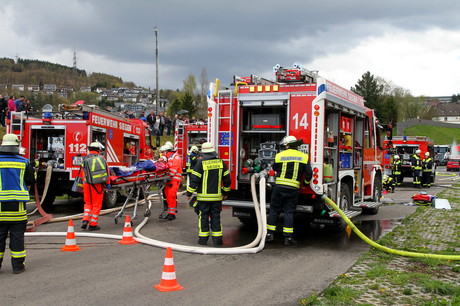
[
  {"x": 58, "y": 141},
  {"x": 339, "y": 133},
  {"x": 405, "y": 147}
]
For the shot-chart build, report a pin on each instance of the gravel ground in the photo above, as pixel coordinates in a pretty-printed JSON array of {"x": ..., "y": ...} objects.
[{"x": 380, "y": 278}]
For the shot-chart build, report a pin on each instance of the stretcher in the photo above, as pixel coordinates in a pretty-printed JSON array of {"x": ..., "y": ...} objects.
[{"x": 138, "y": 184}]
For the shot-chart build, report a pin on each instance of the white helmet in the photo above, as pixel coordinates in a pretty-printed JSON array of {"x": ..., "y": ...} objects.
[
  {"x": 396, "y": 156},
  {"x": 427, "y": 153},
  {"x": 287, "y": 140},
  {"x": 418, "y": 151},
  {"x": 10, "y": 140},
  {"x": 168, "y": 146},
  {"x": 96, "y": 145},
  {"x": 164, "y": 148},
  {"x": 207, "y": 147},
  {"x": 194, "y": 149}
]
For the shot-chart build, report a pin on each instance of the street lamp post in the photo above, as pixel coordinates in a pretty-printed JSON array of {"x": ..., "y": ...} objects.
[{"x": 157, "y": 55}]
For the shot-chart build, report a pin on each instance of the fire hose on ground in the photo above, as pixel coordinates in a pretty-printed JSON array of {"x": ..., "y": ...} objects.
[
  {"x": 384, "y": 248},
  {"x": 247, "y": 249}
]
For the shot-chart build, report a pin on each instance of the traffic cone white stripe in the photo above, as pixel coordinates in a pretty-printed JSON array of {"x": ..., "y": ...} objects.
[
  {"x": 169, "y": 262},
  {"x": 168, "y": 275},
  {"x": 71, "y": 241}
]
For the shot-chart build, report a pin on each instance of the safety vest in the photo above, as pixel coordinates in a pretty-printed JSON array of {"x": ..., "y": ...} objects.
[
  {"x": 95, "y": 168},
  {"x": 416, "y": 162},
  {"x": 209, "y": 178},
  {"x": 397, "y": 167},
  {"x": 13, "y": 188},
  {"x": 289, "y": 166}
]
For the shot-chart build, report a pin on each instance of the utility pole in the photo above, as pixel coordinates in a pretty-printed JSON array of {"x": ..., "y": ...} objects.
[{"x": 157, "y": 89}]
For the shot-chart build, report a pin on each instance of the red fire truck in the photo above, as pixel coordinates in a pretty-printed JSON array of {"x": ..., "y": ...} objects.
[
  {"x": 188, "y": 135},
  {"x": 60, "y": 138},
  {"x": 339, "y": 133},
  {"x": 405, "y": 147}
]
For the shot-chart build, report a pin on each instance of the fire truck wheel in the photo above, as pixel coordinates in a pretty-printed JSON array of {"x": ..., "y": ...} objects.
[
  {"x": 110, "y": 199},
  {"x": 345, "y": 197}
]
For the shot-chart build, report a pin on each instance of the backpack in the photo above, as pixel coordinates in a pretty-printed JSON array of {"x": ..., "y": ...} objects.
[{"x": 95, "y": 168}]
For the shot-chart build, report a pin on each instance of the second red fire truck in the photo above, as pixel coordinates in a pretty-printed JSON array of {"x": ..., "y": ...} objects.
[
  {"x": 58, "y": 141},
  {"x": 340, "y": 134}
]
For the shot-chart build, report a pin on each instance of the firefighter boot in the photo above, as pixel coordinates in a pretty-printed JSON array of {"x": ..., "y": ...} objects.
[
  {"x": 94, "y": 228},
  {"x": 170, "y": 217},
  {"x": 18, "y": 266},
  {"x": 217, "y": 241},
  {"x": 203, "y": 240},
  {"x": 270, "y": 236},
  {"x": 289, "y": 241},
  {"x": 84, "y": 224}
]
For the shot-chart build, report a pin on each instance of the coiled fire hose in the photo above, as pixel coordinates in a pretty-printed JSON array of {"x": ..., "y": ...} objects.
[{"x": 384, "y": 248}]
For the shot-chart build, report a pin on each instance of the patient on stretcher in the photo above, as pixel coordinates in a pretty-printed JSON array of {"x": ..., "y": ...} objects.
[{"x": 139, "y": 171}]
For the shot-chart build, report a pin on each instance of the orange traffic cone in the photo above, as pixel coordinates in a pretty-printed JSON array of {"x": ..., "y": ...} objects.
[
  {"x": 168, "y": 278},
  {"x": 127, "y": 232},
  {"x": 70, "y": 241}
]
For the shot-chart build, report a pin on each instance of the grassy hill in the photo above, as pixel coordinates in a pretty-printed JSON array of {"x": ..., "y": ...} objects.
[{"x": 440, "y": 135}]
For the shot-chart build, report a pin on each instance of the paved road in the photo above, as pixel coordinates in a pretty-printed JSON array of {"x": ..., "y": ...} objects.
[{"x": 105, "y": 272}]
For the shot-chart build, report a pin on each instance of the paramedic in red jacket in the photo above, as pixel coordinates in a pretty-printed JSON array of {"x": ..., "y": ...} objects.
[
  {"x": 175, "y": 173},
  {"x": 93, "y": 195}
]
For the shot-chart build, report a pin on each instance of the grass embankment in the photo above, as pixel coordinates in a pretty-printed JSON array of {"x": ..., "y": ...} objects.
[
  {"x": 380, "y": 278},
  {"x": 440, "y": 135}
]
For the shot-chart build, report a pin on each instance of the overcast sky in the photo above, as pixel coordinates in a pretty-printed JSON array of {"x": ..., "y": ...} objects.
[{"x": 414, "y": 44}]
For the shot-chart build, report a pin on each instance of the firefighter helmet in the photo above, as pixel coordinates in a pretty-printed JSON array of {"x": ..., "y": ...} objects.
[
  {"x": 194, "y": 149},
  {"x": 427, "y": 154},
  {"x": 164, "y": 148},
  {"x": 396, "y": 156},
  {"x": 168, "y": 146},
  {"x": 290, "y": 141},
  {"x": 207, "y": 147},
  {"x": 10, "y": 140},
  {"x": 96, "y": 145},
  {"x": 418, "y": 151}
]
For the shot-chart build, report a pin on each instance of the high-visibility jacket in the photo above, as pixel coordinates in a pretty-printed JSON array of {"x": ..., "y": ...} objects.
[
  {"x": 290, "y": 166},
  {"x": 210, "y": 178},
  {"x": 15, "y": 173},
  {"x": 175, "y": 165},
  {"x": 427, "y": 164},
  {"x": 416, "y": 162},
  {"x": 397, "y": 166}
]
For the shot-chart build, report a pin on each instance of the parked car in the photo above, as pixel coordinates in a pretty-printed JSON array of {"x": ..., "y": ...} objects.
[{"x": 453, "y": 164}]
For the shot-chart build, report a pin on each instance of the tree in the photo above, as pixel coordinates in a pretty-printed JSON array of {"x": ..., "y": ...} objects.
[
  {"x": 174, "y": 107},
  {"x": 188, "y": 103},
  {"x": 202, "y": 107},
  {"x": 190, "y": 85},
  {"x": 371, "y": 91}
]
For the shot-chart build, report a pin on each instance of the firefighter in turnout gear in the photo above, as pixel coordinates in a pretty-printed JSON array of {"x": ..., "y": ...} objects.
[
  {"x": 174, "y": 162},
  {"x": 210, "y": 179},
  {"x": 291, "y": 167},
  {"x": 15, "y": 174},
  {"x": 94, "y": 171},
  {"x": 416, "y": 165},
  {"x": 396, "y": 168},
  {"x": 427, "y": 168},
  {"x": 389, "y": 184}
]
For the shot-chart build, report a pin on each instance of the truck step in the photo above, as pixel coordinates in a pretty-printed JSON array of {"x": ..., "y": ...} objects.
[
  {"x": 367, "y": 204},
  {"x": 349, "y": 213}
]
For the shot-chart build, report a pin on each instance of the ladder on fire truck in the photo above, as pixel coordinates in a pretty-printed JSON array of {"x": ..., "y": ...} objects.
[
  {"x": 225, "y": 119},
  {"x": 17, "y": 123}
]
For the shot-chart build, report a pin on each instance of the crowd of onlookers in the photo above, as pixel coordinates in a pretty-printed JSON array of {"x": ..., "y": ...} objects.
[{"x": 13, "y": 105}]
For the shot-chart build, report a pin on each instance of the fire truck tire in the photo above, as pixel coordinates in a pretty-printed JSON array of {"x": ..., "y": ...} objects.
[{"x": 110, "y": 199}]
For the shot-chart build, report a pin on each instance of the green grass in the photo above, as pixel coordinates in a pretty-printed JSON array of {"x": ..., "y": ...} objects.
[{"x": 440, "y": 135}]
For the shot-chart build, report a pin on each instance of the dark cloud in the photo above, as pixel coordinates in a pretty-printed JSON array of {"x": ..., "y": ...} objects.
[{"x": 225, "y": 37}]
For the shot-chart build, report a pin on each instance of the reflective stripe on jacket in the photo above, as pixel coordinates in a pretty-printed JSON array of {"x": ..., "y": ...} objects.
[
  {"x": 210, "y": 178},
  {"x": 290, "y": 165}
]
